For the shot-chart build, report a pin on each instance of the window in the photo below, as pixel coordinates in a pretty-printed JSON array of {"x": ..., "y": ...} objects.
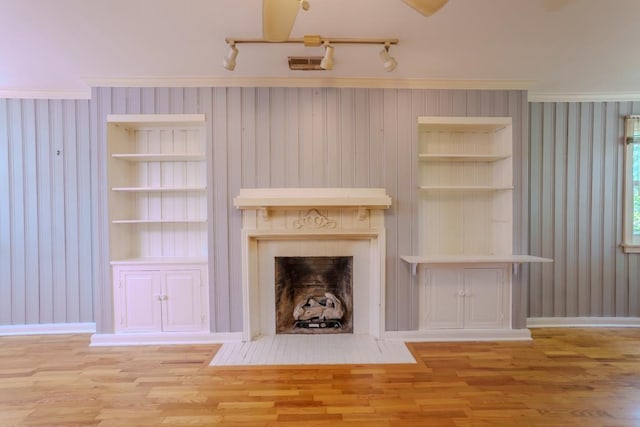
[{"x": 632, "y": 185}]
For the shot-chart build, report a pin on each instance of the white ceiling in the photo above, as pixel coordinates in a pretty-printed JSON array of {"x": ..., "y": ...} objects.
[{"x": 556, "y": 48}]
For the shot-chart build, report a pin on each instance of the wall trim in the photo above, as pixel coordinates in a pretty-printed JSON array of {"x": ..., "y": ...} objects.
[
  {"x": 164, "y": 338},
  {"x": 460, "y": 335},
  {"x": 45, "y": 94},
  {"x": 563, "y": 322},
  {"x": 48, "y": 328},
  {"x": 307, "y": 82},
  {"x": 582, "y": 96}
]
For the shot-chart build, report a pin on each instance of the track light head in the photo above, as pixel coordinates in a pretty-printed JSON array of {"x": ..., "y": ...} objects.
[
  {"x": 229, "y": 61},
  {"x": 388, "y": 62},
  {"x": 327, "y": 60}
]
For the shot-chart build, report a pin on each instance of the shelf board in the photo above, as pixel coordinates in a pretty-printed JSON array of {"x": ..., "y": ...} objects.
[
  {"x": 157, "y": 221},
  {"x": 157, "y": 189},
  {"x": 159, "y": 157},
  {"x": 464, "y": 188},
  {"x": 488, "y": 158},
  {"x": 464, "y": 124},
  {"x": 473, "y": 259},
  {"x": 159, "y": 260}
]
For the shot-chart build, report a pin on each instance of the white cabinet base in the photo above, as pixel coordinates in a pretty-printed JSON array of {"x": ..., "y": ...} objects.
[{"x": 160, "y": 299}]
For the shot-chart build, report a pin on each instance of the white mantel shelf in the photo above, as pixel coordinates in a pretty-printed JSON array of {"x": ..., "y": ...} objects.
[
  {"x": 470, "y": 259},
  {"x": 273, "y": 198}
]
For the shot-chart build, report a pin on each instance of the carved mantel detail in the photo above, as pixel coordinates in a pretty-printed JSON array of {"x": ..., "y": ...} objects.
[{"x": 314, "y": 219}]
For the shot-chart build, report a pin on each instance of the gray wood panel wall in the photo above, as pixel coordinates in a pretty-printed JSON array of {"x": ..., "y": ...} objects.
[
  {"x": 576, "y": 166},
  {"x": 324, "y": 137},
  {"x": 53, "y": 208},
  {"x": 46, "y": 269}
]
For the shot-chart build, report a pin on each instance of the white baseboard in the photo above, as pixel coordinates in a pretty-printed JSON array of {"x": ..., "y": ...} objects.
[
  {"x": 164, "y": 338},
  {"x": 460, "y": 335},
  {"x": 582, "y": 322},
  {"x": 48, "y": 328}
]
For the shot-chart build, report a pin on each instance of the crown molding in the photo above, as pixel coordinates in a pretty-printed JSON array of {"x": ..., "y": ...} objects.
[
  {"x": 45, "y": 94},
  {"x": 583, "y": 96},
  {"x": 307, "y": 82}
]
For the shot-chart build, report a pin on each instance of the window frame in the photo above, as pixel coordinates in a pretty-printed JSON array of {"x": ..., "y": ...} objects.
[{"x": 631, "y": 241}]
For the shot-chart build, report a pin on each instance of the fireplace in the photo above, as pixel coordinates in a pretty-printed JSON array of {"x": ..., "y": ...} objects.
[
  {"x": 301, "y": 234},
  {"x": 314, "y": 295}
]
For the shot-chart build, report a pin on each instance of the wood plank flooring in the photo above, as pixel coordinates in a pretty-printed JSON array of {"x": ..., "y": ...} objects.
[{"x": 564, "y": 377}]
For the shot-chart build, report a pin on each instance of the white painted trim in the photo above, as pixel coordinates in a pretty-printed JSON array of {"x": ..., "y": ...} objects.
[
  {"x": 48, "y": 328},
  {"x": 460, "y": 335},
  {"x": 582, "y": 96},
  {"x": 45, "y": 94},
  {"x": 164, "y": 338},
  {"x": 580, "y": 322},
  {"x": 336, "y": 82}
]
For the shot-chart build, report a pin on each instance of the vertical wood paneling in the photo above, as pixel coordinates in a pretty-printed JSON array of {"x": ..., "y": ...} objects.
[
  {"x": 535, "y": 241},
  {"x": 16, "y": 201},
  {"x": 6, "y": 254},
  {"x": 592, "y": 276},
  {"x": 32, "y": 292},
  {"x": 255, "y": 137},
  {"x": 220, "y": 219},
  {"x": 559, "y": 197},
  {"x": 42, "y": 278},
  {"x": 384, "y": 145},
  {"x": 546, "y": 201}
]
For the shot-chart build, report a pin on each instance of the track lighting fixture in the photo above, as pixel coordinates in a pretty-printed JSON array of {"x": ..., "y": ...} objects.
[
  {"x": 315, "y": 41},
  {"x": 388, "y": 62},
  {"x": 327, "y": 60},
  {"x": 229, "y": 61}
]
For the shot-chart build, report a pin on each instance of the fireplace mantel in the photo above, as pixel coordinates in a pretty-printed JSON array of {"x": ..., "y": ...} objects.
[
  {"x": 312, "y": 219},
  {"x": 291, "y": 198}
]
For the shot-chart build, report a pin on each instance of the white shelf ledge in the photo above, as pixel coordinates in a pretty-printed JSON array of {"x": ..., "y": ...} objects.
[
  {"x": 159, "y": 157},
  {"x": 156, "y": 120},
  {"x": 159, "y": 260},
  {"x": 268, "y": 198},
  {"x": 157, "y": 189},
  {"x": 157, "y": 221},
  {"x": 414, "y": 261},
  {"x": 465, "y": 187},
  {"x": 473, "y": 124},
  {"x": 488, "y": 158}
]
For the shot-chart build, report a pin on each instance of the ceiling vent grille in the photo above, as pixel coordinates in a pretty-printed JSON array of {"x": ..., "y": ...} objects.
[{"x": 305, "y": 63}]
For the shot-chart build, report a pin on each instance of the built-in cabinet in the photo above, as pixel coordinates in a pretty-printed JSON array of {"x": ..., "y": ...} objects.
[
  {"x": 158, "y": 222},
  {"x": 468, "y": 297},
  {"x": 169, "y": 298},
  {"x": 465, "y": 214}
]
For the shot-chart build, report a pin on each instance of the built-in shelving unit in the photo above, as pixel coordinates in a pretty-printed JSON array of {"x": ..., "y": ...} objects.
[
  {"x": 465, "y": 207},
  {"x": 157, "y": 178}
]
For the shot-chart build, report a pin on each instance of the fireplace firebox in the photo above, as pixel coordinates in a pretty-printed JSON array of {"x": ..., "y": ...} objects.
[{"x": 314, "y": 294}]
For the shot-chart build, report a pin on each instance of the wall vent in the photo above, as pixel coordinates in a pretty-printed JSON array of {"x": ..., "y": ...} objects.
[{"x": 305, "y": 63}]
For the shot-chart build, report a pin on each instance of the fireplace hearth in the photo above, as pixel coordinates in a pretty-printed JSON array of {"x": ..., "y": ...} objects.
[{"x": 314, "y": 294}]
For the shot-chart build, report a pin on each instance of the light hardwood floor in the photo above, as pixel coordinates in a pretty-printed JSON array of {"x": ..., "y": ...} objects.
[{"x": 564, "y": 377}]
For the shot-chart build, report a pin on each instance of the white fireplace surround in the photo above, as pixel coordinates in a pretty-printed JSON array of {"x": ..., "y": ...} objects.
[{"x": 304, "y": 217}]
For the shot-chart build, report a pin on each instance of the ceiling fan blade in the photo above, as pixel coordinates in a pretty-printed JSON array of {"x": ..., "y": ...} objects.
[
  {"x": 278, "y": 17},
  {"x": 426, "y": 7}
]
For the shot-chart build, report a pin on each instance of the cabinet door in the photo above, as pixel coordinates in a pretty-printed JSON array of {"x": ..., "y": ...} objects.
[
  {"x": 484, "y": 298},
  {"x": 444, "y": 299},
  {"x": 138, "y": 301},
  {"x": 182, "y": 298}
]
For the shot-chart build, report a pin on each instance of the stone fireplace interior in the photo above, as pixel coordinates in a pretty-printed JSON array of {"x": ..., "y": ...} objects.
[{"x": 313, "y": 294}]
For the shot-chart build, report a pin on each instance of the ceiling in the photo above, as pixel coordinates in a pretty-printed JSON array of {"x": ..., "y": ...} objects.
[{"x": 554, "y": 48}]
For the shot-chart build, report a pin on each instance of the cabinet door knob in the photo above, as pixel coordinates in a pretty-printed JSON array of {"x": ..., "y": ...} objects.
[
  {"x": 461, "y": 293},
  {"x": 158, "y": 297}
]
